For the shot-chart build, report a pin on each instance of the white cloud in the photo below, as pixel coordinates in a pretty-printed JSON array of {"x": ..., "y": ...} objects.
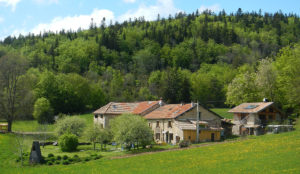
[
  {"x": 1, "y": 19},
  {"x": 12, "y": 3},
  {"x": 74, "y": 22},
  {"x": 162, "y": 7},
  {"x": 129, "y": 1},
  {"x": 213, "y": 8}
]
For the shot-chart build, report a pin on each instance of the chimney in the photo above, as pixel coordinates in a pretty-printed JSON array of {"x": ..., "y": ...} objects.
[{"x": 160, "y": 101}]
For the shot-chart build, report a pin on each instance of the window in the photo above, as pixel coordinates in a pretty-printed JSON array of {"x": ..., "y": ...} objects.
[
  {"x": 262, "y": 117},
  {"x": 157, "y": 136},
  {"x": 170, "y": 124},
  {"x": 149, "y": 124},
  {"x": 101, "y": 116},
  {"x": 157, "y": 123},
  {"x": 271, "y": 110},
  {"x": 171, "y": 137},
  {"x": 96, "y": 116}
]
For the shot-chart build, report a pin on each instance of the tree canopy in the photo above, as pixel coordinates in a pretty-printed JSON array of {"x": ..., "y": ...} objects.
[{"x": 220, "y": 59}]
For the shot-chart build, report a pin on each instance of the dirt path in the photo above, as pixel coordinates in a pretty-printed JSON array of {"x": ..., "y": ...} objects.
[{"x": 175, "y": 149}]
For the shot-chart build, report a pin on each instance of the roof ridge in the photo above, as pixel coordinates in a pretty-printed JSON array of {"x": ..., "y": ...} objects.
[{"x": 109, "y": 104}]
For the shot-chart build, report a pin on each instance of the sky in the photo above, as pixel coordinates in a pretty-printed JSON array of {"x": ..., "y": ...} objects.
[{"x": 35, "y": 16}]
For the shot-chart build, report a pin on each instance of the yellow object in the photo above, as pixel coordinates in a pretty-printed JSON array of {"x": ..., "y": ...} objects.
[{"x": 205, "y": 135}]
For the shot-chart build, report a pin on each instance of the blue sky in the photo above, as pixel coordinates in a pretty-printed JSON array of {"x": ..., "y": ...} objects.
[{"x": 35, "y": 16}]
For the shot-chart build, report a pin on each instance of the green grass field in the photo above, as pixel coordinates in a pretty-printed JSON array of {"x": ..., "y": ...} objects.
[
  {"x": 33, "y": 126},
  {"x": 223, "y": 112},
  {"x": 275, "y": 153}
]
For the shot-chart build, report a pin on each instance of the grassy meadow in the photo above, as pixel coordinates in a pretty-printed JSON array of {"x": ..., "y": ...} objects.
[
  {"x": 223, "y": 112},
  {"x": 34, "y": 126},
  {"x": 273, "y": 153}
]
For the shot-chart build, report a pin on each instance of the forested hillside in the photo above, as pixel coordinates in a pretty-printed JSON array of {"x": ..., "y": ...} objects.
[{"x": 219, "y": 59}]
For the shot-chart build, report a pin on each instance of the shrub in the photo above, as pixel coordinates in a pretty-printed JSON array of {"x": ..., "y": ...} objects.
[
  {"x": 76, "y": 158},
  {"x": 65, "y": 162},
  {"x": 68, "y": 142},
  {"x": 50, "y": 155},
  {"x": 49, "y": 163},
  {"x": 57, "y": 162},
  {"x": 73, "y": 125},
  {"x": 58, "y": 157},
  {"x": 87, "y": 159},
  {"x": 183, "y": 144},
  {"x": 65, "y": 157},
  {"x": 97, "y": 157},
  {"x": 51, "y": 159}
]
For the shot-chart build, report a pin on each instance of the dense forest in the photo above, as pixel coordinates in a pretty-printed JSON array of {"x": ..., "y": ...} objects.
[{"x": 218, "y": 59}]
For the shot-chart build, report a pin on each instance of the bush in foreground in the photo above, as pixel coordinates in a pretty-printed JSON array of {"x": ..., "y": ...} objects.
[
  {"x": 183, "y": 144},
  {"x": 68, "y": 142}
]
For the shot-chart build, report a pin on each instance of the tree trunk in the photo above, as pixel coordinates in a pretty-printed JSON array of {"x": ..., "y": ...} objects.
[{"x": 9, "y": 125}]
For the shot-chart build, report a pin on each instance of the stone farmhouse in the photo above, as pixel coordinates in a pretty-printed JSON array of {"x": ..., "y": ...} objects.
[
  {"x": 111, "y": 110},
  {"x": 174, "y": 122},
  {"x": 169, "y": 122},
  {"x": 252, "y": 118}
]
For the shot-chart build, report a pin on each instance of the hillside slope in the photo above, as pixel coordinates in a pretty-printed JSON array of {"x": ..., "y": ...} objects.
[{"x": 278, "y": 153}]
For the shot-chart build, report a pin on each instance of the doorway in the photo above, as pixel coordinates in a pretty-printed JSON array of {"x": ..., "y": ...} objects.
[
  {"x": 212, "y": 137},
  {"x": 167, "y": 137}
]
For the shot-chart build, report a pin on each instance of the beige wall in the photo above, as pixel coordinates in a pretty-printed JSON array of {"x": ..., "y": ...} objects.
[
  {"x": 164, "y": 127},
  {"x": 211, "y": 118},
  {"x": 104, "y": 121}
]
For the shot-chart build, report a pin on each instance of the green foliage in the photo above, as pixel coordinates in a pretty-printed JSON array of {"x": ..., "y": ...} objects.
[
  {"x": 69, "y": 93},
  {"x": 69, "y": 124},
  {"x": 182, "y": 58},
  {"x": 43, "y": 111},
  {"x": 50, "y": 155},
  {"x": 68, "y": 143},
  {"x": 131, "y": 129},
  {"x": 183, "y": 144},
  {"x": 288, "y": 80},
  {"x": 96, "y": 134},
  {"x": 58, "y": 157}
]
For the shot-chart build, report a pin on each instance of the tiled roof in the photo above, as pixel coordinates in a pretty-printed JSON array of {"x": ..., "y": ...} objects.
[
  {"x": 120, "y": 108},
  {"x": 251, "y": 107},
  {"x": 169, "y": 111}
]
